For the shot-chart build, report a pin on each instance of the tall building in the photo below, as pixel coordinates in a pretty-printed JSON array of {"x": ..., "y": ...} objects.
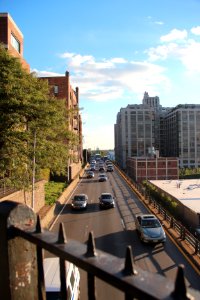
[
  {"x": 182, "y": 134},
  {"x": 61, "y": 88},
  {"x": 137, "y": 129},
  {"x": 12, "y": 38},
  {"x": 172, "y": 132}
]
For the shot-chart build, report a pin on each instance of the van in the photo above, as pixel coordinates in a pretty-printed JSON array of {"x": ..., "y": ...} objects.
[{"x": 52, "y": 279}]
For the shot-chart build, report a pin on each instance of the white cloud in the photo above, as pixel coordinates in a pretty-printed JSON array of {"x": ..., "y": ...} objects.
[
  {"x": 107, "y": 79},
  {"x": 159, "y": 22},
  {"x": 45, "y": 73},
  {"x": 196, "y": 30},
  {"x": 174, "y": 35}
]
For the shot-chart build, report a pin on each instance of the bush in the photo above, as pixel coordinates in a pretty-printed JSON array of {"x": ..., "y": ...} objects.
[{"x": 53, "y": 190}]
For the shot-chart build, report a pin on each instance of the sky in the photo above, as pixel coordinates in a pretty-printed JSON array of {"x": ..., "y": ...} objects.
[{"x": 114, "y": 51}]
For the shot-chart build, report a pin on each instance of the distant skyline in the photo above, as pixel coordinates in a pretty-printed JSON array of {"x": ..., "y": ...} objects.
[{"x": 114, "y": 51}]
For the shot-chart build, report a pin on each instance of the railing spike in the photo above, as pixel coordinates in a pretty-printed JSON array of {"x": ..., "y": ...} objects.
[
  {"x": 129, "y": 264},
  {"x": 38, "y": 228},
  {"x": 91, "y": 251},
  {"x": 180, "y": 290},
  {"x": 61, "y": 235}
]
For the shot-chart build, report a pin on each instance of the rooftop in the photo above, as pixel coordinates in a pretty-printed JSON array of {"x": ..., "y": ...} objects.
[{"x": 186, "y": 191}]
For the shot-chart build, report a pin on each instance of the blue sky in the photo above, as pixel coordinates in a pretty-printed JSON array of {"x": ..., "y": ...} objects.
[{"x": 115, "y": 51}]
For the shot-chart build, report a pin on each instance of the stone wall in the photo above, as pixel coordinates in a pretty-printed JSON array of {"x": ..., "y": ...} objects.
[{"x": 26, "y": 198}]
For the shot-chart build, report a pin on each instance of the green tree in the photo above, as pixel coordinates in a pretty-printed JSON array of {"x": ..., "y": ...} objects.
[{"x": 33, "y": 125}]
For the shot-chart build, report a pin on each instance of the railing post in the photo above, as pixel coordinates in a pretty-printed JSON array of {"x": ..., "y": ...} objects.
[{"x": 18, "y": 259}]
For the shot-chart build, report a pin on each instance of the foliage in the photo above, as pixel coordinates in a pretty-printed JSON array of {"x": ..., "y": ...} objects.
[
  {"x": 161, "y": 197},
  {"x": 53, "y": 190},
  {"x": 33, "y": 125},
  {"x": 189, "y": 173}
]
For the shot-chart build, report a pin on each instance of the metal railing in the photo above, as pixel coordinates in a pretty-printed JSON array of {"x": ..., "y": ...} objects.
[
  {"x": 21, "y": 262},
  {"x": 183, "y": 233}
]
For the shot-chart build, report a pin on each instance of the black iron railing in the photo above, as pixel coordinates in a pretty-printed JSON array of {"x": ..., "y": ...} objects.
[{"x": 21, "y": 262}]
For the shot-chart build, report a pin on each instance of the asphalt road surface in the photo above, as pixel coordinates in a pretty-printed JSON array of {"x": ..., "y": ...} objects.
[{"x": 114, "y": 230}]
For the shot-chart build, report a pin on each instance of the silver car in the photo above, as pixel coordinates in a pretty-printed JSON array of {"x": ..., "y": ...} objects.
[
  {"x": 79, "y": 201},
  {"x": 149, "y": 228}
]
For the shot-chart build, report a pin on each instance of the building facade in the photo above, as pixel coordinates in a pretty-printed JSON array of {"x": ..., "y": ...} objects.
[
  {"x": 172, "y": 132},
  {"x": 12, "y": 38},
  {"x": 137, "y": 129},
  {"x": 152, "y": 168},
  {"x": 182, "y": 134},
  {"x": 61, "y": 88}
]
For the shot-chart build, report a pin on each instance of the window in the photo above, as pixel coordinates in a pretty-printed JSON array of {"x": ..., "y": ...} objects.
[
  {"x": 15, "y": 43},
  {"x": 55, "y": 89}
]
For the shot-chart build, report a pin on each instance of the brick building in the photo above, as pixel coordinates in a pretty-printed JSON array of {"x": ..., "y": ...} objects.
[
  {"x": 61, "y": 88},
  {"x": 152, "y": 168},
  {"x": 12, "y": 38}
]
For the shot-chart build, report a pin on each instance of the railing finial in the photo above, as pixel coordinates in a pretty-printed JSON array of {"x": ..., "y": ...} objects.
[
  {"x": 129, "y": 264},
  {"x": 61, "y": 235},
  {"x": 38, "y": 228},
  {"x": 180, "y": 289},
  {"x": 91, "y": 251}
]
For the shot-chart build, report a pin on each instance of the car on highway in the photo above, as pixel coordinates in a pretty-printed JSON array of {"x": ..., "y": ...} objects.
[
  {"x": 103, "y": 177},
  {"x": 101, "y": 169},
  {"x": 79, "y": 201},
  {"x": 109, "y": 168},
  {"x": 90, "y": 174},
  {"x": 52, "y": 279},
  {"x": 149, "y": 228},
  {"x": 106, "y": 200}
]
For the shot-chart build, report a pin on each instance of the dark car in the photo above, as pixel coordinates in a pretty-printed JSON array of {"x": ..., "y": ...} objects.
[
  {"x": 149, "y": 228},
  {"x": 79, "y": 201},
  {"x": 106, "y": 200}
]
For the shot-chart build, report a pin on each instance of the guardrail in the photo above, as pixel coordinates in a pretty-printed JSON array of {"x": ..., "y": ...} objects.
[
  {"x": 21, "y": 263},
  {"x": 183, "y": 233}
]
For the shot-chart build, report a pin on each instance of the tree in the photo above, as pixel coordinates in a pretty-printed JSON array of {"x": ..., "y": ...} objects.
[{"x": 33, "y": 125}]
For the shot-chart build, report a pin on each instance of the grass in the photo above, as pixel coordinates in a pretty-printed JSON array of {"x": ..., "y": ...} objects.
[{"x": 53, "y": 190}]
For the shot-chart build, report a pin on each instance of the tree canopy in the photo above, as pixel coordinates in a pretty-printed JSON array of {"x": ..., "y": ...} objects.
[{"x": 33, "y": 125}]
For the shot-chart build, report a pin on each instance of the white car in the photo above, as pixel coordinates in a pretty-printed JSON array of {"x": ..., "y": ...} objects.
[
  {"x": 149, "y": 228},
  {"x": 52, "y": 279},
  {"x": 79, "y": 201}
]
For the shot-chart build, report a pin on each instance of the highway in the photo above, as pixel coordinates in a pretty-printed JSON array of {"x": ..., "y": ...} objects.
[{"x": 114, "y": 230}]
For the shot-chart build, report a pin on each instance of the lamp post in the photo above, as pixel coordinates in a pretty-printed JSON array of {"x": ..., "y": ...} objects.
[{"x": 33, "y": 173}]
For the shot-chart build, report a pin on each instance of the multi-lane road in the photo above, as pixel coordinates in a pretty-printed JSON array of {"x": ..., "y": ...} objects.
[{"x": 114, "y": 229}]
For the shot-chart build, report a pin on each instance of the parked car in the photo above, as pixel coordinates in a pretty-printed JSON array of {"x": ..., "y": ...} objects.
[
  {"x": 149, "y": 228},
  {"x": 106, "y": 200},
  {"x": 52, "y": 279},
  {"x": 102, "y": 177},
  {"x": 90, "y": 174},
  {"x": 79, "y": 201}
]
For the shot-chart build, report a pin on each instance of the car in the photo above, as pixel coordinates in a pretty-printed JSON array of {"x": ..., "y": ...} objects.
[
  {"x": 106, "y": 200},
  {"x": 92, "y": 168},
  {"x": 90, "y": 174},
  {"x": 101, "y": 169},
  {"x": 149, "y": 228},
  {"x": 110, "y": 168},
  {"x": 52, "y": 279},
  {"x": 79, "y": 201},
  {"x": 102, "y": 177}
]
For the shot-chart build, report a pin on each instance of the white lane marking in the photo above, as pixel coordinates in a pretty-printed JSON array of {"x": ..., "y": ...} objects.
[{"x": 123, "y": 225}]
